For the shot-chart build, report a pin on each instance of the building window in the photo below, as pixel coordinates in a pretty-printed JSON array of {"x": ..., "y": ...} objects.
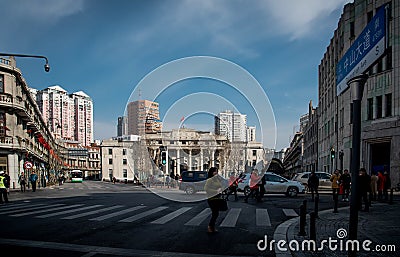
[
  {"x": 110, "y": 151},
  {"x": 125, "y": 173},
  {"x": 123, "y": 151},
  {"x": 110, "y": 161},
  {"x": 388, "y": 98},
  {"x": 352, "y": 34},
  {"x": 370, "y": 108},
  {"x": 370, "y": 15},
  {"x": 124, "y": 162},
  {"x": 379, "y": 107},
  {"x": 254, "y": 152},
  {"x": 1, "y": 83}
]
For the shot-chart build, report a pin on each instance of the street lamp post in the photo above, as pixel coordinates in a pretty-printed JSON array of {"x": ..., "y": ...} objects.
[
  {"x": 357, "y": 87},
  {"x": 46, "y": 66}
]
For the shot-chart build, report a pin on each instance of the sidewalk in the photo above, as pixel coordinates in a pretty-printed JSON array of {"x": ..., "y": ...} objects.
[{"x": 381, "y": 225}]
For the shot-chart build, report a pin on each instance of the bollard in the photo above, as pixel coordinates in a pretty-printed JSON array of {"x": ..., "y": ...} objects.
[
  {"x": 335, "y": 202},
  {"x": 391, "y": 196},
  {"x": 305, "y": 204},
  {"x": 313, "y": 235},
  {"x": 303, "y": 214},
  {"x": 316, "y": 206}
]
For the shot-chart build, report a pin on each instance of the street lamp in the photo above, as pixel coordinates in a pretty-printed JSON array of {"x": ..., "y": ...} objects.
[
  {"x": 357, "y": 87},
  {"x": 46, "y": 66}
]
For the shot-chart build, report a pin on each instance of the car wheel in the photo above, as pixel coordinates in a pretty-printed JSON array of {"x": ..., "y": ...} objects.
[
  {"x": 190, "y": 190},
  {"x": 292, "y": 191},
  {"x": 246, "y": 190}
]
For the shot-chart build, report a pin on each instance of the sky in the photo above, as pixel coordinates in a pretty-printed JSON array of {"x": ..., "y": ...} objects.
[{"x": 195, "y": 58}]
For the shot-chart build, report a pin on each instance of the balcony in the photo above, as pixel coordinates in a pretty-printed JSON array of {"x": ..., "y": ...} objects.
[{"x": 6, "y": 142}]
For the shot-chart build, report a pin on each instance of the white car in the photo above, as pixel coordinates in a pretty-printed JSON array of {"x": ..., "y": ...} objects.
[
  {"x": 274, "y": 184},
  {"x": 324, "y": 179}
]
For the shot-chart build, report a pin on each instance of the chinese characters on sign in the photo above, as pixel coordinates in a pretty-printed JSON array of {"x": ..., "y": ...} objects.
[{"x": 366, "y": 49}]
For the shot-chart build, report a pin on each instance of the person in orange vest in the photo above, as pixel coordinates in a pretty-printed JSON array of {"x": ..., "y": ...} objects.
[{"x": 3, "y": 188}]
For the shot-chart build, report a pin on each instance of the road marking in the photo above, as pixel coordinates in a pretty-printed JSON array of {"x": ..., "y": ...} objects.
[
  {"x": 107, "y": 216},
  {"x": 171, "y": 216},
  {"x": 231, "y": 218},
  {"x": 199, "y": 218},
  {"x": 143, "y": 214},
  {"x": 262, "y": 218},
  {"x": 91, "y": 212},
  {"x": 21, "y": 208},
  {"x": 31, "y": 208},
  {"x": 290, "y": 212},
  {"x": 68, "y": 211},
  {"x": 47, "y": 210}
]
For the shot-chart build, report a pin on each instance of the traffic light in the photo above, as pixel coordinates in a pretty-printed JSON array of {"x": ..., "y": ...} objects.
[
  {"x": 333, "y": 153},
  {"x": 163, "y": 157}
]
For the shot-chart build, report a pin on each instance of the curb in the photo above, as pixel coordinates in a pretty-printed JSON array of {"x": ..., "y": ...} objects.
[{"x": 281, "y": 232}]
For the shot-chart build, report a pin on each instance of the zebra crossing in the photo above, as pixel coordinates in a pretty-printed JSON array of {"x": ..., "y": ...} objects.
[{"x": 125, "y": 214}]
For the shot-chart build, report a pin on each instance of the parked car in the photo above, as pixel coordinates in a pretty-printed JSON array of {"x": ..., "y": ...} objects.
[
  {"x": 192, "y": 181},
  {"x": 278, "y": 184},
  {"x": 274, "y": 184},
  {"x": 324, "y": 179}
]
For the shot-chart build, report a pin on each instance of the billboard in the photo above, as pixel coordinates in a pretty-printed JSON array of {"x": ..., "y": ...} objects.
[{"x": 366, "y": 49}]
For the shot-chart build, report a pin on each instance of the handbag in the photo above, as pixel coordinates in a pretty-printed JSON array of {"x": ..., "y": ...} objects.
[{"x": 222, "y": 204}]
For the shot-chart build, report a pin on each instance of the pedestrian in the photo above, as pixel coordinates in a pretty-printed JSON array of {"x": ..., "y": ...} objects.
[
  {"x": 22, "y": 181},
  {"x": 8, "y": 182},
  {"x": 254, "y": 186},
  {"x": 335, "y": 189},
  {"x": 167, "y": 180},
  {"x": 233, "y": 184},
  {"x": 213, "y": 188},
  {"x": 313, "y": 184},
  {"x": 345, "y": 182},
  {"x": 261, "y": 185},
  {"x": 374, "y": 186},
  {"x": 33, "y": 179},
  {"x": 114, "y": 180},
  {"x": 3, "y": 188},
  {"x": 365, "y": 188},
  {"x": 381, "y": 185},
  {"x": 387, "y": 185}
]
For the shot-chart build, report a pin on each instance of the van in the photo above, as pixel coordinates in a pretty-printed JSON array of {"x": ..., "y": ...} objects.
[{"x": 192, "y": 181}]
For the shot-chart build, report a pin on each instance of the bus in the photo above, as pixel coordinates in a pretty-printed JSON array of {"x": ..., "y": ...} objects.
[{"x": 76, "y": 176}]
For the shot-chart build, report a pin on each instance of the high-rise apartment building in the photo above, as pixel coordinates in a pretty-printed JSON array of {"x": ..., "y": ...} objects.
[
  {"x": 143, "y": 117},
  {"x": 232, "y": 125},
  {"x": 69, "y": 116}
]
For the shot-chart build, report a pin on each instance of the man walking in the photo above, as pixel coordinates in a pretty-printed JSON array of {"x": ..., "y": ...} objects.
[
  {"x": 33, "y": 179},
  {"x": 22, "y": 181},
  {"x": 313, "y": 184}
]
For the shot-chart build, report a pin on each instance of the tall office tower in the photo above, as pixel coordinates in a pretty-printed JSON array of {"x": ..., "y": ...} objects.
[
  {"x": 122, "y": 127},
  {"x": 232, "y": 125},
  {"x": 69, "y": 116},
  {"x": 143, "y": 117}
]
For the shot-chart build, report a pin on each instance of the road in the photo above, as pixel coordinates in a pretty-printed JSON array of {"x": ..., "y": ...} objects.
[{"x": 97, "y": 218}]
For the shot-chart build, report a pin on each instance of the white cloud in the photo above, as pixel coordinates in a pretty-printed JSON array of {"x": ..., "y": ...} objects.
[{"x": 299, "y": 18}]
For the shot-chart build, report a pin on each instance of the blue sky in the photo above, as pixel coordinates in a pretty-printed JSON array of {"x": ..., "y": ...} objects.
[{"x": 107, "y": 48}]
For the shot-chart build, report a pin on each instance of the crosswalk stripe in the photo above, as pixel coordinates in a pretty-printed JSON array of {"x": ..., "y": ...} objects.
[
  {"x": 231, "y": 218},
  {"x": 143, "y": 214},
  {"x": 91, "y": 212},
  {"x": 107, "y": 216},
  {"x": 47, "y": 210},
  {"x": 13, "y": 205},
  {"x": 262, "y": 218},
  {"x": 68, "y": 211},
  {"x": 199, "y": 218},
  {"x": 25, "y": 206},
  {"x": 35, "y": 207},
  {"x": 171, "y": 216},
  {"x": 290, "y": 213}
]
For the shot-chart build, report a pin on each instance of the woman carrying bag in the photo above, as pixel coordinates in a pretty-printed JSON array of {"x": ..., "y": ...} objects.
[{"x": 213, "y": 188}]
